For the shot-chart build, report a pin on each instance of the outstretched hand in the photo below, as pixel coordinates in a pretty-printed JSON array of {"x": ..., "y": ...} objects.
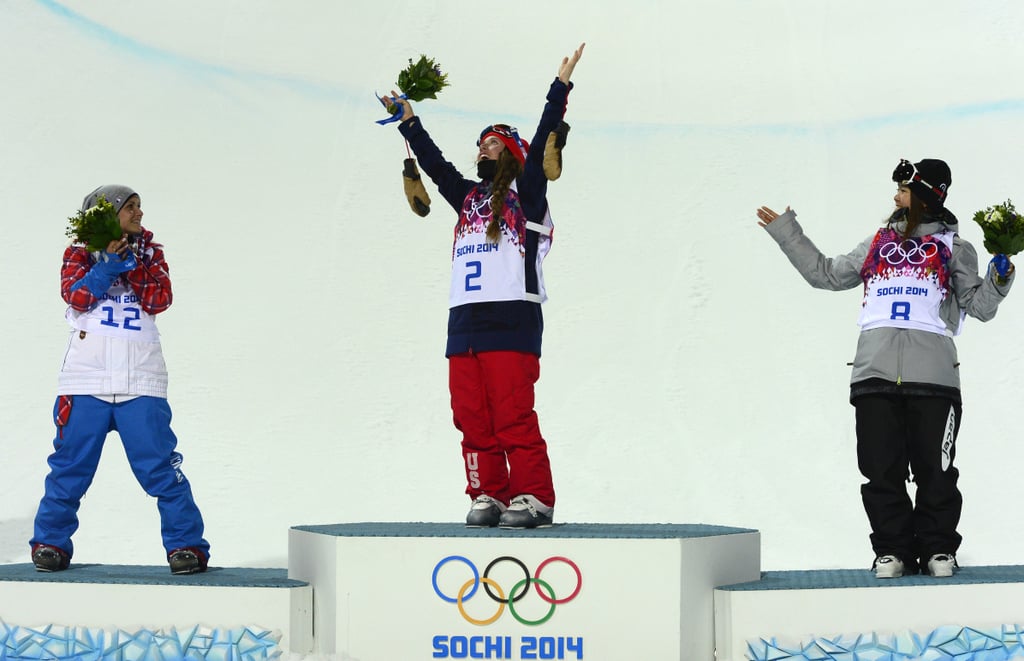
[
  {"x": 396, "y": 99},
  {"x": 568, "y": 64},
  {"x": 766, "y": 216}
]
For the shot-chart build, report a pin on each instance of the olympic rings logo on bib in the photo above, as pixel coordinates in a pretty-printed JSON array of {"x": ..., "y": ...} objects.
[
  {"x": 896, "y": 254},
  {"x": 516, "y": 592}
]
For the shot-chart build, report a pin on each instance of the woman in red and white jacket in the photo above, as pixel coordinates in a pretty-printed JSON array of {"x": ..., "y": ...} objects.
[
  {"x": 113, "y": 378},
  {"x": 502, "y": 234}
]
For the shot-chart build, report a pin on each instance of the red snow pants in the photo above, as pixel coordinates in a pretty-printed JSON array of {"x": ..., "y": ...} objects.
[{"x": 492, "y": 405}]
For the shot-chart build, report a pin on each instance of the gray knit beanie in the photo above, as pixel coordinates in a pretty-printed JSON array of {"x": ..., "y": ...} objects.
[{"x": 115, "y": 194}]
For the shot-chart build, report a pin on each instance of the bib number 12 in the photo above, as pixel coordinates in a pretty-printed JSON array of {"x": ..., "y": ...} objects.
[{"x": 131, "y": 315}]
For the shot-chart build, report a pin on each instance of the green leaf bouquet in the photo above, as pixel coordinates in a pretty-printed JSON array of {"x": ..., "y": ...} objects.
[
  {"x": 95, "y": 227},
  {"x": 422, "y": 79}
]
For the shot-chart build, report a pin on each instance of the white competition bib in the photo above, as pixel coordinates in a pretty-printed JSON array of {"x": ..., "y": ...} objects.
[
  {"x": 118, "y": 314},
  {"x": 484, "y": 271},
  {"x": 905, "y": 282}
]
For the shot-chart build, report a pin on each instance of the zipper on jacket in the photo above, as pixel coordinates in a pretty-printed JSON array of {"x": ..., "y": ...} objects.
[{"x": 899, "y": 358}]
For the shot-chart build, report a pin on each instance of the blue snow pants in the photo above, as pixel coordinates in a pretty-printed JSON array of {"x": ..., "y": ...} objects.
[{"x": 144, "y": 425}]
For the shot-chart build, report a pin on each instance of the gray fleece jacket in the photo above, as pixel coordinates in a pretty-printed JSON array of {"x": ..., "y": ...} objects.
[{"x": 899, "y": 359}]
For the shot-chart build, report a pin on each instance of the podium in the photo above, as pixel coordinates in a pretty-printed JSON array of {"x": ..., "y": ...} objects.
[
  {"x": 388, "y": 591},
  {"x": 411, "y": 591},
  {"x": 137, "y": 612},
  {"x": 850, "y": 614}
]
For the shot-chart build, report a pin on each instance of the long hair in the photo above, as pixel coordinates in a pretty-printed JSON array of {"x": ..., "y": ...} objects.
[
  {"x": 914, "y": 216},
  {"x": 508, "y": 169}
]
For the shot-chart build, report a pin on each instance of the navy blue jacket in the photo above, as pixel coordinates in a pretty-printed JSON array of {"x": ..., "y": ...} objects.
[{"x": 495, "y": 325}]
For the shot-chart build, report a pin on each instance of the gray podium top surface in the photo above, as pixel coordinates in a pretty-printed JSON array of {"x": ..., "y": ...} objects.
[
  {"x": 153, "y": 575},
  {"x": 559, "y": 530},
  {"x": 824, "y": 579}
]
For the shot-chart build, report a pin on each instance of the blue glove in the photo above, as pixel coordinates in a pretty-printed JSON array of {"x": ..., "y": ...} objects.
[
  {"x": 104, "y": 272},
  {"x": 1002, "y": 265}
]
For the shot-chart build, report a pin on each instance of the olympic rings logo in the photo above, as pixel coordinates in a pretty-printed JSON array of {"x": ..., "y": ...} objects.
[
  {"x": 481, "y": 206},
  {"x": 497, "y": 594},
  {"x": 897, "y": 253}
]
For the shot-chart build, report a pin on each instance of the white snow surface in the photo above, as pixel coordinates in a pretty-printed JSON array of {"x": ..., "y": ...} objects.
[{"x": 689, "y": 374}]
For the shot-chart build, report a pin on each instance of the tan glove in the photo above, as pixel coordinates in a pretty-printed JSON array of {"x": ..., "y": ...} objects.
[
  {"x": 419, "y": 201},
  {"x": 553, "y": 151}
]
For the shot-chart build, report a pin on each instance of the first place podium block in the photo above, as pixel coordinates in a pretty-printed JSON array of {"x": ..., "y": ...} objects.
[{"x": 410, "y": 591}]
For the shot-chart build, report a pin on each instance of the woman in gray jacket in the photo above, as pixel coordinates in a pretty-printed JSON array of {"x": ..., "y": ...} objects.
[{"x": 920, "y": 280}]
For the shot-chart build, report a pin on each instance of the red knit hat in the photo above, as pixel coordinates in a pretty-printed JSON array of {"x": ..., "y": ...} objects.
[{"x": 509, "y": 135}]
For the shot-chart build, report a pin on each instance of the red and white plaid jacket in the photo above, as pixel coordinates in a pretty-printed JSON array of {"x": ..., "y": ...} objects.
[
  {"x": 150, "y": 279},
  {"x": 87, "y": 368}
]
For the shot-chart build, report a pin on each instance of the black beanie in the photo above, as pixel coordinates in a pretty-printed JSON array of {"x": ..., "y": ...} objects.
[{"x": 928, "y": 180}]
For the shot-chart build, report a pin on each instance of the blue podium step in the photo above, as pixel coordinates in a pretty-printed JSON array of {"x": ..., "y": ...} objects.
[
  {"x": 125, "y": 612},
  {"x": 849, "y": 614}
]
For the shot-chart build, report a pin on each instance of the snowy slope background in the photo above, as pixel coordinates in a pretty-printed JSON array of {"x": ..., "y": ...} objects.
[{"x": 689, "y": 374}]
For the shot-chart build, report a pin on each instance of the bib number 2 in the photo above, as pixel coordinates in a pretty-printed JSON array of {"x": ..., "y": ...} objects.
[{"x": 473, "y": 274}]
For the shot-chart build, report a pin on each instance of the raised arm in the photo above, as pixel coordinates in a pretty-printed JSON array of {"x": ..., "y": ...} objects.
[
  {"x": 821, "y": 272},
  {"x": 568, "y": 64},
  {"x": 449, "y": 181}
]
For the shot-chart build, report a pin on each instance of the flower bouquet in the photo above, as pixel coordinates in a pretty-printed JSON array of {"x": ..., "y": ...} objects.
[
  {"x": 95, "y": 227},
  {"x": 422, "y": 80},
  {"x": 418, "y": 81},
  {"x": 1003, "y": 229}
]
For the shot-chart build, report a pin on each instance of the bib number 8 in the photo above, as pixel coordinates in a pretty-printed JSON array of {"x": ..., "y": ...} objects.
[{"x": 900, "y": 310}]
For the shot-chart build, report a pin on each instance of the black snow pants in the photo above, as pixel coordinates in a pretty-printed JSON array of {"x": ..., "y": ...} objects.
[{"x": 902, "y": 438}]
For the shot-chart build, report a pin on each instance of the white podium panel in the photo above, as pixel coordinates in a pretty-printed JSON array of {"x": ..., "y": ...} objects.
[
  {"x": 126, "y": 601},
  {"x": 409, "y": 591},
  {"x": 848, "y": 613}
]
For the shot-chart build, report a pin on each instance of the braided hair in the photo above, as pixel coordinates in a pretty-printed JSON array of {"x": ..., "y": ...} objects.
[{"x": 508, "y": 169}]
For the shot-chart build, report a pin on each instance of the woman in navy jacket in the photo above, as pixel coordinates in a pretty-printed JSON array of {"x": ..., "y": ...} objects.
[{"x": 495, "y": 323}]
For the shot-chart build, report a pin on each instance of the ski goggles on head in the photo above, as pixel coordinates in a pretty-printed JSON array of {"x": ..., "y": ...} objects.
[
  {"x": 907, "y": 172},
  {"x": 502, "y": 131}
]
